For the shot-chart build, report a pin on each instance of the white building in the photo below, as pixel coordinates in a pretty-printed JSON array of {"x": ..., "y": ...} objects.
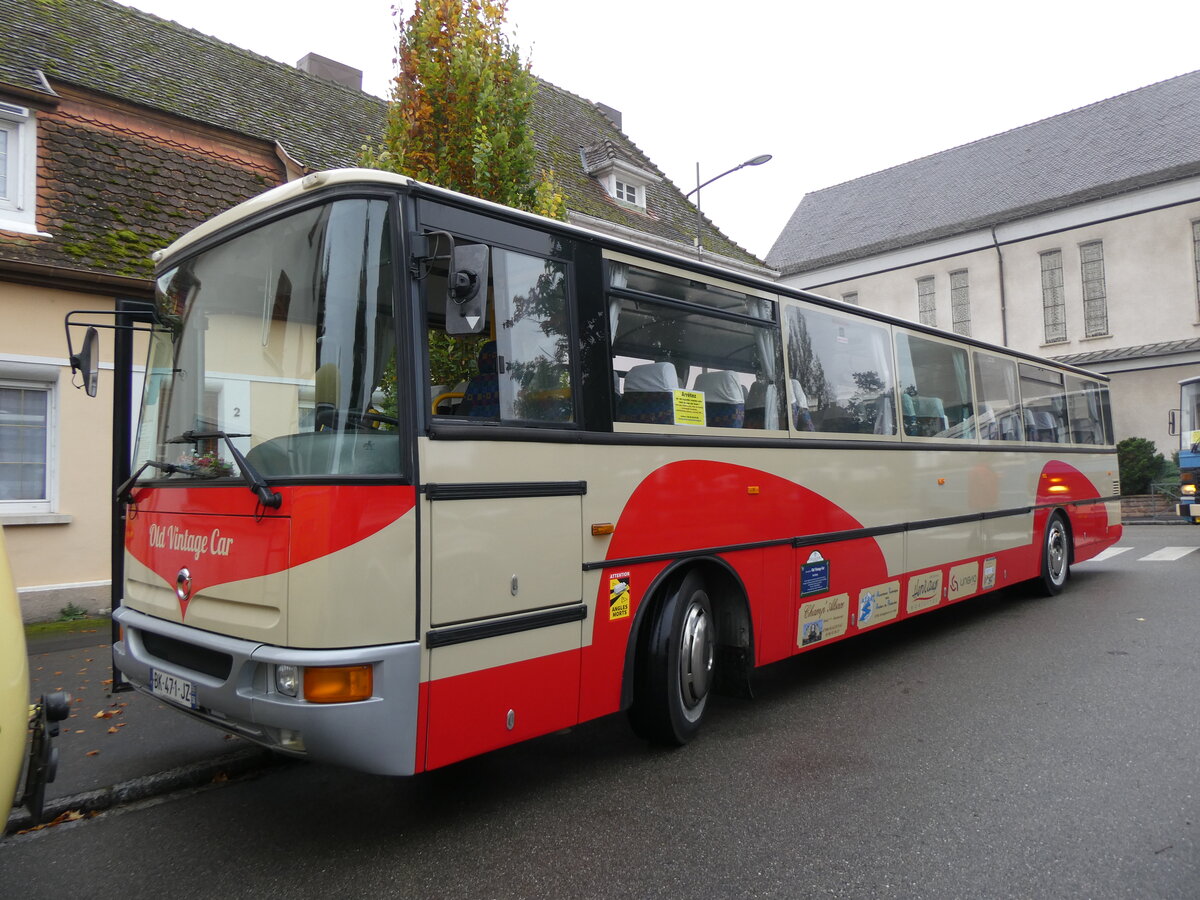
[{"x": 1076, "y": 238}]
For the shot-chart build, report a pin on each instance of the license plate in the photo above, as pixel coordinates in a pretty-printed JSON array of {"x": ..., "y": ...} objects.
[{"x": 177, "y": 690}]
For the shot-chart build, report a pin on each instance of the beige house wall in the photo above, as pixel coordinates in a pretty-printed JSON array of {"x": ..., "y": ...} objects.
[
  {"x": 1150, "y": 282},
  {"x": 62, "y": 557}
]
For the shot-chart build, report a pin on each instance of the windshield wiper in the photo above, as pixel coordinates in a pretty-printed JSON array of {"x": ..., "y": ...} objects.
[
  {"x": 125, "y": 491},
  {"x": 257, "y": 484}
]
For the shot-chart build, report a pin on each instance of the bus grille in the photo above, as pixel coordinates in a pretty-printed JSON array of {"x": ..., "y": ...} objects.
[{"x": 198, "y": 659}]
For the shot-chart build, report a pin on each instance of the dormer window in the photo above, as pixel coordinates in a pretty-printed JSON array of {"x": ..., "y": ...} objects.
[
  {"x": 623, "y": 178},
  {"x": 18, "y": 169},
  {"x": 628, "y": 192}
]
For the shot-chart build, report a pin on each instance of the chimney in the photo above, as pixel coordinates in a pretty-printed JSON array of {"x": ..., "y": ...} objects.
[
  {"x": 315, "y": 64},
  {"x": 614, "y": 115}
]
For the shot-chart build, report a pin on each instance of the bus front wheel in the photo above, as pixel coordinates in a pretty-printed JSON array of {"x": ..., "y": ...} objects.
[
  {"x": 675, "y": 673},
  {"x": 1056, "y": 556}
]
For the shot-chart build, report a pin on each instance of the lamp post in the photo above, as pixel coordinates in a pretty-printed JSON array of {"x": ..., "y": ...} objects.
[{"x": 755, "y": 161}]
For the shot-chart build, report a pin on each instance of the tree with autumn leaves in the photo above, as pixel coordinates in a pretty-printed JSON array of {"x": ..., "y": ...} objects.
[{"x": 459, "y": 112}]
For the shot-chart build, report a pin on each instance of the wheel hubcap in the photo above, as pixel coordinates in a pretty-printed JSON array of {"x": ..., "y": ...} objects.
[
  {"x": 695, "y": 656},
  {"x": 1056, "y": 552}
]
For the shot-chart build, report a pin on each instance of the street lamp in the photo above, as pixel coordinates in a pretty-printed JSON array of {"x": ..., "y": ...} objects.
[{"x": 755, "y": 161}]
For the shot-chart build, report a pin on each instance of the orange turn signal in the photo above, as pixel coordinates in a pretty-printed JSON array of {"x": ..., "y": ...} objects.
[
  {"x": 603, "y": 528},
  {"x": 337, "y": 684}
]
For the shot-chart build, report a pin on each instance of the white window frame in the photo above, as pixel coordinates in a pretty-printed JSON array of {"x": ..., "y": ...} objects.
[
  {"x": 36, "y": 377},
  {"x": 18, "y": 209},
  {"x": 627, "y": 192}
]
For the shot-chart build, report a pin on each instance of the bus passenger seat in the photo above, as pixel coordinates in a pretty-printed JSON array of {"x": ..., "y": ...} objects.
[
  {"x": 723, "y": 403},
  {"x": 802, "y": 419},
  {"x": 761, "y": 396},
  {"x": 648, "y": 396},
  {"x": 481, "y": 399}
]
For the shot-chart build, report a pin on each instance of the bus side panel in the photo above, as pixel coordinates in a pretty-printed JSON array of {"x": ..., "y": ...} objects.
[{"x": 475, "y": 712}]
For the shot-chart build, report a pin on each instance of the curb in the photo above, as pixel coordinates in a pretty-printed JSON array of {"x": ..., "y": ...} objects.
[{"x": 232, "y": 765}]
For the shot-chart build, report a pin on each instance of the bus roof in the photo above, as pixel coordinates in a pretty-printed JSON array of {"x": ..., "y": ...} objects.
[{"x": 358, "y": 176}]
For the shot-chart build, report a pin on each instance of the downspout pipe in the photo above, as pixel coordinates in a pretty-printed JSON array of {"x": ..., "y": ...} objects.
[{"x": 1003, "y": 296}]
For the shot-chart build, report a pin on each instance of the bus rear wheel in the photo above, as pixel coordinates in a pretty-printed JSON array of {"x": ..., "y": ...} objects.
[
  {"x": 1056, "y": 556},
  {"x": 675, "y": 673}
]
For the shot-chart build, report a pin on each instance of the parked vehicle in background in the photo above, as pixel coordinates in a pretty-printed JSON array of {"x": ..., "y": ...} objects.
[
  {"x": 1185, "y": 422},
  {"x": 27, "y": 758},
  {"x": 656, "y": 475}
]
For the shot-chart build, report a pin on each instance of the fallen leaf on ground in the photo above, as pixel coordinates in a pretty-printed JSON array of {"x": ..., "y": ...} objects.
[{"x": 92, "y": 753}]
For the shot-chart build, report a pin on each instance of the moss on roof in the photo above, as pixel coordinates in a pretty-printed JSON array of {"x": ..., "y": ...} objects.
[{"x": 107, "y": 47}]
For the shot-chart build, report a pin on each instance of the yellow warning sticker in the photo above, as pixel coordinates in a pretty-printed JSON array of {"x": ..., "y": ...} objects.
[
  {"x": 618, "y": 595},
  {"x": 689, "y": 408}
]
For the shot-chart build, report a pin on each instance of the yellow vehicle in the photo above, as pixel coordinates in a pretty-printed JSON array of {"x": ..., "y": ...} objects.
[{"x": 26, "y": 754}]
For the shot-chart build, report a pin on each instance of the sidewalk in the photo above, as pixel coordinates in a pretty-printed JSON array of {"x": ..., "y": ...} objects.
[{"x": 119, "y": 748}]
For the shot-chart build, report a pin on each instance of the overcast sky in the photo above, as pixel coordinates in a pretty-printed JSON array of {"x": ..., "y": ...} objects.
[{"x": 832, "y": 90}]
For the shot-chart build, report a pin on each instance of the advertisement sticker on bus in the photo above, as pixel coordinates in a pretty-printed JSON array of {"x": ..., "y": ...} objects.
[
  {"x": 814, "y": 575},
  {"x": 824, "y": 619},
  {"x": 878, "y": 604},
  {"x": 618, "y": 595},
  {"x": 989, "y": 573},
  {"x": 924, "y": 591},
  {"x": 964, "y": 580}
]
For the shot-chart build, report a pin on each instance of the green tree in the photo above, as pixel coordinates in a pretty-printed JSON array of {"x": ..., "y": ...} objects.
[
  {"x": 1140, "y": 463},
  {"x": 459, "y": 111}
]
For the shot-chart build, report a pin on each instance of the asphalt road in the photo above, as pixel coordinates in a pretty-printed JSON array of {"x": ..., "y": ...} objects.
[{"x": 1012, "y": 746}]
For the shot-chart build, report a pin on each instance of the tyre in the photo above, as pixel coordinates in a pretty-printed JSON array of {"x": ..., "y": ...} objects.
[
  {"x": 1056, "y": 556},
  {"x": 675, "y": 667}
]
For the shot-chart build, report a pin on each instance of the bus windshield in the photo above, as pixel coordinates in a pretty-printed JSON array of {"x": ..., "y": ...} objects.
[{"x": 282, "y": 342}]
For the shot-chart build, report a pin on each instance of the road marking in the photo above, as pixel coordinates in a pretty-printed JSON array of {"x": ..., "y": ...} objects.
[
  {"x": 1109, "y": 553},
  {"x": 1167, "y": 554}
]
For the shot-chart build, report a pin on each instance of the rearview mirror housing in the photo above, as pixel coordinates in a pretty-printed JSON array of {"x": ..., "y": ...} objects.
[{"x": 466, "y": 289}]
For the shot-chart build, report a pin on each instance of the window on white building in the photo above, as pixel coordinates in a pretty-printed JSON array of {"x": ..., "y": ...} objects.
[
  {"x": 926, "y": 306},
  {"x": 1054, "y": 302},
  {"x": 1095, "y": 299},
  {"x": 1196, "y": 256},
  {"x": 960, "y": 302},
  {"x": 18, "y": 169},
  {"x": 27, "y": 419}
]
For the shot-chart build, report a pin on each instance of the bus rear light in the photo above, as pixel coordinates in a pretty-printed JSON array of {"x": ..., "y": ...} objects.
[{"x": 337, "y": 684}]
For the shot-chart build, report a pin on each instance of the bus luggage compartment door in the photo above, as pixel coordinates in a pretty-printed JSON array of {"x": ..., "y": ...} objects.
[{"x": 506, "y": 609}]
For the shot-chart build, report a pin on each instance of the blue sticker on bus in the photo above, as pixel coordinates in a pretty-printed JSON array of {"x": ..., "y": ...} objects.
[{"x": 814, "y": 577}]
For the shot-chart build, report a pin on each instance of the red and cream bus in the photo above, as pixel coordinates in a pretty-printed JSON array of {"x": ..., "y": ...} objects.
[{"x": 418, "y": 476}]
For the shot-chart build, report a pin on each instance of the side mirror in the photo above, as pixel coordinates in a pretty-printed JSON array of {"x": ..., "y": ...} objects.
[
  {"x": 1173, "y": 422},
  {"x": 86, "y": 363},
  {"x": 466, "y": 289}
]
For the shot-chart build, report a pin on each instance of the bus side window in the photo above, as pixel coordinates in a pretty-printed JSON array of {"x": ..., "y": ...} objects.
[
  {"x": 841, "y": 374},
  {"x": 519, "y": 369},
  {"x": 1044, "y": 404},
  {"x": 935, "y": 388}
]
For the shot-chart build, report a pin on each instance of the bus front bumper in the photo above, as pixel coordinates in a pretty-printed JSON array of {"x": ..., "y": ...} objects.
[
  {"x": 230, "y": 684},
  {"x": 1188, "y": 510}
]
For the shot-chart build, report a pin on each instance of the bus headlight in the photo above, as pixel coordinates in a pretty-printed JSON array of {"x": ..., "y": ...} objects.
[
  {"x": 287, "y": 680},
  {"x": 1188, "y": 489}
]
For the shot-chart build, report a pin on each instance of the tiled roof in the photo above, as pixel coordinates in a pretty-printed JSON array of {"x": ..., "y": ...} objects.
[
  {"x": 109, "y": 220},
  {"x": 1141, "y": 138},
  {"x": 137, "y": 57}
]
